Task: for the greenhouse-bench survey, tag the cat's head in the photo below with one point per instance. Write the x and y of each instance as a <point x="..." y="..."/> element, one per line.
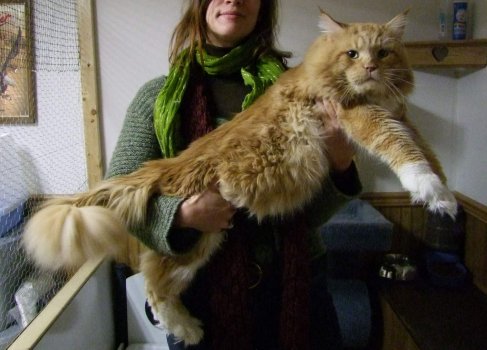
<point x="361" y="59"/>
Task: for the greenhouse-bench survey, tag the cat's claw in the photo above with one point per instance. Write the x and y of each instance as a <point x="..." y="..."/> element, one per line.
<point x="426" y="187"/>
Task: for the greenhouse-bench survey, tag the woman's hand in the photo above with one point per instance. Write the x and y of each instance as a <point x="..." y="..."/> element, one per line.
<point x="339" y="149"/>
<point x="206" y="212"/>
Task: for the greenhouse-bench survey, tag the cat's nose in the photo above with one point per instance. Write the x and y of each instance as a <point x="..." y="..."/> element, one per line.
<point x="370" y="68"/>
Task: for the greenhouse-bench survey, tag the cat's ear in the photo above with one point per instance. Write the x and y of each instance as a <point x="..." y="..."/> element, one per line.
<point x="397" y="25"/>
<point x="328" y="24"/>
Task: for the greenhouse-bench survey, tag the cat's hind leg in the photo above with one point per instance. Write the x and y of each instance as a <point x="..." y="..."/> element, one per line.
<point x="167" y="277"/>
<point x="165" y="280"/>
<point x="175" y="319"/>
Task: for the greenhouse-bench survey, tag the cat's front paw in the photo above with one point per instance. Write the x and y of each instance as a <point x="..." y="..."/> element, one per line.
<point x="426" y="187"/>
<point x="444" y="203"/>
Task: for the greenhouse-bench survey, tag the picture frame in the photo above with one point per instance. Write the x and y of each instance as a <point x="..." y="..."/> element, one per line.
<point x="17" y="80"/>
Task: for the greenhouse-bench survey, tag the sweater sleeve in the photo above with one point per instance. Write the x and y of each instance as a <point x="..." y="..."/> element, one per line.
<point x="335" y="193"/>
<point x="137" y="144"/>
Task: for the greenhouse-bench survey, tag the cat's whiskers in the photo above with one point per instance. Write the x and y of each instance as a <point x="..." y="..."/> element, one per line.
<point x="395" y="90"/>
<point x="397" y="73"/>
<point x="344" y="90"/>
<point x="346" y="93"/>
<point x="396" y="77"/>
<point x="396" y="70"/>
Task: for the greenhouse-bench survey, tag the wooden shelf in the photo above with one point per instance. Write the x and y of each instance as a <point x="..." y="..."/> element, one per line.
<point x="448" y="54"/>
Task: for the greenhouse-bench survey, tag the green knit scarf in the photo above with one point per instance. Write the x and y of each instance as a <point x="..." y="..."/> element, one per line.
<point x="166" y="109"/>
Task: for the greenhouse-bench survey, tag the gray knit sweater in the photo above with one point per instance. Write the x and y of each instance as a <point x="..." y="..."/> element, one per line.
<point x="137" y="143"/>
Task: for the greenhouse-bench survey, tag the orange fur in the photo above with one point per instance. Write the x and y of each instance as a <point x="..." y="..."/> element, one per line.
<point x="270" y="159"/>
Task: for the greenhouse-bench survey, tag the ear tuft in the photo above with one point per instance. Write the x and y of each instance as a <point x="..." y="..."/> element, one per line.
<point x="397" y="25"/>
<point x="328" y="24"/>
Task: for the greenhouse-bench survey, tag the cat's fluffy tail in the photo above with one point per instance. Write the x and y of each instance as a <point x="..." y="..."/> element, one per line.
<point x="67" y="231"/>
<point x="65" y="236"/>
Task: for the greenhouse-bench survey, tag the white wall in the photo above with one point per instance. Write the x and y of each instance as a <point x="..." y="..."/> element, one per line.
<point x="470" y="144"/>
<point x="133" y="41"/>
<point x="133" y="37"/>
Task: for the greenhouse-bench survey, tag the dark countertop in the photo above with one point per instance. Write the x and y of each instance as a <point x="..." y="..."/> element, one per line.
<point x="439" y="318"/>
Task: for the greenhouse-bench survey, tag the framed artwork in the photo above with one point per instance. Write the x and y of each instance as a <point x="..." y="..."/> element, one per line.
<point x="17" y="84"/>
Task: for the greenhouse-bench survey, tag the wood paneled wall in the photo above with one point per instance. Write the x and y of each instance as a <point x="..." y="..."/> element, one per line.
<point x="409" y="220"/>
<point x="476" y="240"/>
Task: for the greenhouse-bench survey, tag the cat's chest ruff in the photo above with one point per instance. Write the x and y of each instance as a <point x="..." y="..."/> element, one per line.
<point x="389" y="103"/>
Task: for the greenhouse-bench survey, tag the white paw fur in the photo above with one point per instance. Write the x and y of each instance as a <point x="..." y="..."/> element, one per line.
<point x="176" y="320"/>
<point x="426" y="187"/>
<point x="189" y="331"/>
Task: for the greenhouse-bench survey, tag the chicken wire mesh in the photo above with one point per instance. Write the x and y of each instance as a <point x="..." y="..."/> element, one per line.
<point x="42" y="149"/>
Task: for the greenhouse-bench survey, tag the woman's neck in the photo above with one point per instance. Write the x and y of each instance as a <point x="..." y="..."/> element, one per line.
<point x="216" y="51"/>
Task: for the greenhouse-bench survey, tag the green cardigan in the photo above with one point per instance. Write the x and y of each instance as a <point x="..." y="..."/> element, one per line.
<point x="137" y="143"/>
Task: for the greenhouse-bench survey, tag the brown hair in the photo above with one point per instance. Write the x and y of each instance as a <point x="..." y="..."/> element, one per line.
<point x="191" y="30"/>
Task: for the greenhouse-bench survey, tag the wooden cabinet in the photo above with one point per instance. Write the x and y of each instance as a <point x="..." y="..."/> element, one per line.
<point x="418" y="316"/>
<point x="395" y="334"/>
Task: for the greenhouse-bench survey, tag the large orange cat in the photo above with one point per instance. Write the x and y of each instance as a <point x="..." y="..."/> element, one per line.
<point x="269" y="159"/>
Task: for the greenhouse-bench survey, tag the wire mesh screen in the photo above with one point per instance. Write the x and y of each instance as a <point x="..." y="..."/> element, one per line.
<point x="42" y="148"/>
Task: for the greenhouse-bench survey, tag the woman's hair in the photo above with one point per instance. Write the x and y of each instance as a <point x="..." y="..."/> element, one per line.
<point x="191" y="30"/>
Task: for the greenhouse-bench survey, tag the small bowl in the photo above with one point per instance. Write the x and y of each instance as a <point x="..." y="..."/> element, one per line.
<point x="397" y="267"/>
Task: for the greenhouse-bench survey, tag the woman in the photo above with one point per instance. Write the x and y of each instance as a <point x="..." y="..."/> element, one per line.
<point x="265" y="288"/>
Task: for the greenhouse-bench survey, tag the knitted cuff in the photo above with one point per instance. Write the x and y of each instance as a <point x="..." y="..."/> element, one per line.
<point x="347" y="182"/>
<point x="160" y="217"/>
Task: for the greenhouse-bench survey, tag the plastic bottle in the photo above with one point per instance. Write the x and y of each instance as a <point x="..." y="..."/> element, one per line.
<point x="460" y="16"/>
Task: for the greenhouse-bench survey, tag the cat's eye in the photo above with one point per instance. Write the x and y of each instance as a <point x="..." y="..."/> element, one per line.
<point x="352" y="54"/>
<point x="383" y="53"/>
